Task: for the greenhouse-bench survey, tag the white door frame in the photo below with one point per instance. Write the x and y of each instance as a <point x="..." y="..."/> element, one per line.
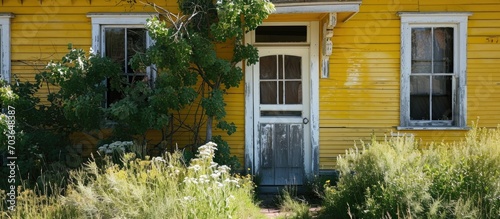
<point x="251" y="159"/>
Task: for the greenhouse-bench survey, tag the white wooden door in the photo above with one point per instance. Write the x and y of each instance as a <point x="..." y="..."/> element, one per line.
<point x="281" y="115"/>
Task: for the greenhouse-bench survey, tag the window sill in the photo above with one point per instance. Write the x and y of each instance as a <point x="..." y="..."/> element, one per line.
<point x="444" y="128"/>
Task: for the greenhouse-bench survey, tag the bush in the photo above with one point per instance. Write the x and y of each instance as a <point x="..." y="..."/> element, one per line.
<point x="394" y="179"/>
<point x="163" y="187"/>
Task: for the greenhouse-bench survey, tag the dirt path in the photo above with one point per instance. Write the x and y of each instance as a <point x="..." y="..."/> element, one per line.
<point x="269" y="206"/>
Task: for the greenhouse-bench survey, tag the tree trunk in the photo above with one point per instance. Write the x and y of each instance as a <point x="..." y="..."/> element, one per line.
<point x="209" y="129"/>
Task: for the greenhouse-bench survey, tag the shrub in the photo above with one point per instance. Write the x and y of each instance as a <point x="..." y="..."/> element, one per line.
<point x="394" y="179"/>
<point x="163" y="187"/>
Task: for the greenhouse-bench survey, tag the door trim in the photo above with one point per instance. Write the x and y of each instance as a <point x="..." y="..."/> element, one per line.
<point x="313" y="167"/>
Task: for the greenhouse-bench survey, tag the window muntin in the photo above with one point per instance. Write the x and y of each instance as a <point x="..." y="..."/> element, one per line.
<point x="433" y="70"/>
<point x="280" y="79"/>
<point x="432" y="74"/>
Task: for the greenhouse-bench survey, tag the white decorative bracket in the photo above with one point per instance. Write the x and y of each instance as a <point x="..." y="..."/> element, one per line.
<point x="327" y="44"/>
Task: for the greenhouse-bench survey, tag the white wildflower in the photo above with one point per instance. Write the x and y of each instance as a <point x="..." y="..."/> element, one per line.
<point x="235" y="181"/>
<point x="188" y="198"/>
<point x="120" y="146"/>
<point x="213" y="164"/>
<point x="159" y="159"/>
<point x="195" y="167"/>
<point x="220" y="185"/>
<point x="215" y="175"/>
<point x="188" y="180"/>
<point x="207" y="150"/>
<point x="224" y="169"/>
<point x="204" y="179"/>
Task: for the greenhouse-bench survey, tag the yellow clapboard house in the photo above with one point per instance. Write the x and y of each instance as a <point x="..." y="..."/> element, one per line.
<point x="330" y="72"/>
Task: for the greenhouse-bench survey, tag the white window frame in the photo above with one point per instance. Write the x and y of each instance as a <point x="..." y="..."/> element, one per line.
<point x="5" y="46"/>
<point x="100" y="21"/>
<point x="459" y="22"/>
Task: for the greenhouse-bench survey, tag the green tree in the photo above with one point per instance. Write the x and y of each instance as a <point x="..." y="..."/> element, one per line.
<point x="185" y="47"/>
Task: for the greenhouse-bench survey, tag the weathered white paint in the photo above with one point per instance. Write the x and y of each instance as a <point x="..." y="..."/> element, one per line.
<point x="314" y="117"/>
<point x="320" y="7"/>
<point x="249" y="138"/>
<point x="435" y="19"/>
<point x="282" y="155"/>
<point x="5" y="45"/>
<point x="260" y="147"/>
<point x="99" y="20"/>
<point x="252" y="147"/>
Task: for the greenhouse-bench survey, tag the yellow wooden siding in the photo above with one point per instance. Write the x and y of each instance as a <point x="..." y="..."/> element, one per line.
<point x="42" y="32"/>
<point x="361" y="96"/>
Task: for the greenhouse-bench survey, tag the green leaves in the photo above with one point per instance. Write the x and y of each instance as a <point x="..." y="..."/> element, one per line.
<point x="187" y="48"/>
<point x="214" y="104"/>
<point x="236" y="17"/>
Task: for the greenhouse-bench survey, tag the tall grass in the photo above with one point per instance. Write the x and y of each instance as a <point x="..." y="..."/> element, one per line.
<point x="292" y="206"/>
<point x="163" y="187"/>
<point x="394" y="179"/>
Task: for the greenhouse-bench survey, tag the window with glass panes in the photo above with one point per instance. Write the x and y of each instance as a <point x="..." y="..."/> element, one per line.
<point x="433" y="69"/>
<point x="121" y="44"/>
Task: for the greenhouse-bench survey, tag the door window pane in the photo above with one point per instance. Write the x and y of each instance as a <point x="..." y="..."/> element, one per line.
<point x="293" y="67"/>
<point x="268" y="92"/>
<point x="280" y="113"/>
<point x="293" y="94"/>
<point x="268" y="67"/>
<point x="280" y="79"/>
